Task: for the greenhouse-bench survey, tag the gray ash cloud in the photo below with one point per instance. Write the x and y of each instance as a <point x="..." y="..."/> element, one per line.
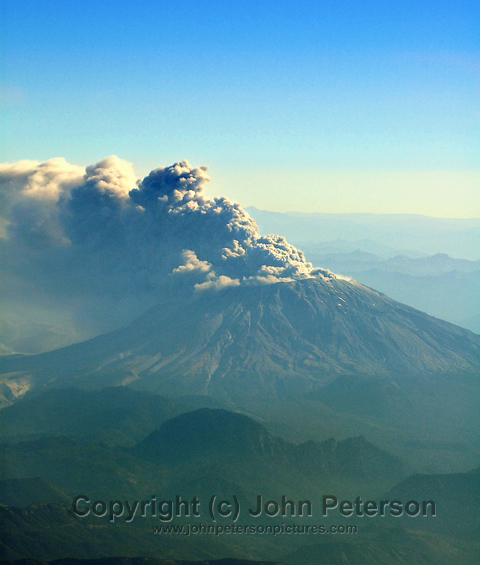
<point x="103" y="245"/>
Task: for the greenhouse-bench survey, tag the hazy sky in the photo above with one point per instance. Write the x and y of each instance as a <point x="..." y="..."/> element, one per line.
<point x="311" y="106"/>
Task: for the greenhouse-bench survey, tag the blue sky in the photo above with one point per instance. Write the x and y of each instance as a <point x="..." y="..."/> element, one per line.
<point x="311" y="106"/>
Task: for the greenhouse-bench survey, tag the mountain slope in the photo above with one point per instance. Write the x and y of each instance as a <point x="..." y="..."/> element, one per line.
<point x="274" y="340"/>
<point x="51" y="532"/>
<point x="25" y="492"/>
<point x="457" y="499"/>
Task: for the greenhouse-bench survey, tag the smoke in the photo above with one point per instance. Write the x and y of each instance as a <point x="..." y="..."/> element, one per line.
<point x="103" y="246"/>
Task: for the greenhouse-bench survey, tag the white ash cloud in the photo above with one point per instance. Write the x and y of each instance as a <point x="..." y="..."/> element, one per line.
<point x="106" y="246"/>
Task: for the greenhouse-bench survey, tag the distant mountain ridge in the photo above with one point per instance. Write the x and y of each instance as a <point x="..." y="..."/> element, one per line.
<point x="459" y="237"/>
<point x="206" y="435"/>
<point x="191" y="454"/>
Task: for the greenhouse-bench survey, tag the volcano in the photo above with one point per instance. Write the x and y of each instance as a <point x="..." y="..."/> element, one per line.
<point x="274" y="341"/>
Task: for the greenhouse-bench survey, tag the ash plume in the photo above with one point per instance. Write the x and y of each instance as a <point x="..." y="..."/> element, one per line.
<point x="103" y="246"/>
